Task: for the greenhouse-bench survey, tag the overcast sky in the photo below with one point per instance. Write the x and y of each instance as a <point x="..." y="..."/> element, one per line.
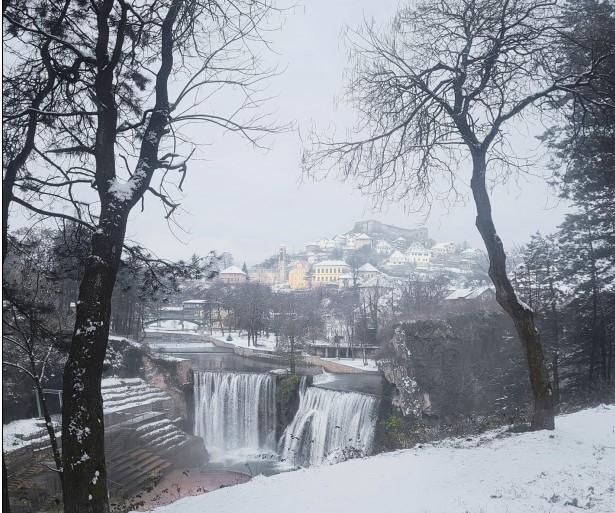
<point x="249" y="201"/>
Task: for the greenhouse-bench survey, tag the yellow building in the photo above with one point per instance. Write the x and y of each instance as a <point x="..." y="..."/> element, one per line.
<point x="298" y="275"/>
<point x="329" y="272"/>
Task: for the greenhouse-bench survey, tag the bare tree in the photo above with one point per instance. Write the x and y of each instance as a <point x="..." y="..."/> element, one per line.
<point x="121" y="135"/>
<point x="33" y="323"/>
<point x="440" y="84"/>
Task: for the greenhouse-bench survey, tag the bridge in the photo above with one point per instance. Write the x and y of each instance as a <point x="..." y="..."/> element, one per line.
<point x="190" y="311"/>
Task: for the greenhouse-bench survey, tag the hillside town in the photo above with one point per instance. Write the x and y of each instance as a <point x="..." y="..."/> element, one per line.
<point x="369" y="254"/>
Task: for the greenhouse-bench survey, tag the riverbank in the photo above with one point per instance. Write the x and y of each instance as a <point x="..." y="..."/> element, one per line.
<point x="265" y="352"/>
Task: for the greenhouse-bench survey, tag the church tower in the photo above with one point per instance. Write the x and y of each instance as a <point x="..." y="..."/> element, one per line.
<point x="282" y="265"/>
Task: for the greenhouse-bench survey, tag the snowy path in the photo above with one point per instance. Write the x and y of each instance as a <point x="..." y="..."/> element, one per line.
<point x="567" y="470"/>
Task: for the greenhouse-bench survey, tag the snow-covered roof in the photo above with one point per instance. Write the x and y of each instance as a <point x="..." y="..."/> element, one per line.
<point x="346" y="276"/>
<point x="442" y="245"/>
<point x="332" y="263"/>
<point x="396" y="254"/>
<point x="368" y="268"/>
<point x="415" y="246"/>
<point x="233" y="269"/>
<point x="363" y="236"/>
<point x="479" y="291"/>
<point x="469" y="293"/>
<point x="195" y="302"/>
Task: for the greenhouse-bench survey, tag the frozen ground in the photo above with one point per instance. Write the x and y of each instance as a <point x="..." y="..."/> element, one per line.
<point x="568" y="470"/>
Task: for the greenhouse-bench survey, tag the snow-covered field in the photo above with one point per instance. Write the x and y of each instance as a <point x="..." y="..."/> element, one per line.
<point x="568" y="470"/>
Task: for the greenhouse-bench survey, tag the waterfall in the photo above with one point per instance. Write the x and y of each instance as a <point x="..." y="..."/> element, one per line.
<point x="327" y="423"/>
<point x="235" y="411"/>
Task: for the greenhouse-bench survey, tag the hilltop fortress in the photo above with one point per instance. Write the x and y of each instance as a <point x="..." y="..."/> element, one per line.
<point x="378" y="230"/>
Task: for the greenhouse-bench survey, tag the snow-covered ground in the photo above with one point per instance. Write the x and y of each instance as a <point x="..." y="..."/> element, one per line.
<point x="21" y="433"/>
<point x="264" y="343"/>
<point x="567" y="470"/>
<point x="356" y="362"/>
<point x="172" y="326"/>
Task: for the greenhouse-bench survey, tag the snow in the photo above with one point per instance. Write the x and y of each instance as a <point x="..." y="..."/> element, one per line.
<point x="169" y="358"/>
<point x="177" y="346"/>
<point x="172" y="325"/>
<point x="264" y="343"/>
<point x="356" y="363"/>
<point x="24" y="432"/>
<point x="129" y="341"/>
<point x="563" y="471"/>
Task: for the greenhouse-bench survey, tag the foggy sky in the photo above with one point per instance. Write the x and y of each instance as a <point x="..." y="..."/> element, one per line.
<point x="249" y="201"/>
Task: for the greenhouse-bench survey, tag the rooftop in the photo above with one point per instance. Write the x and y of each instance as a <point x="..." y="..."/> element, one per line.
<point x="332" y="263"/>
<point x="233" y="269"/>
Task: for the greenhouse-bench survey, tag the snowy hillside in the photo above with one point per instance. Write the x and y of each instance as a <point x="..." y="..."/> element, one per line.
<point x="568" y="470"/>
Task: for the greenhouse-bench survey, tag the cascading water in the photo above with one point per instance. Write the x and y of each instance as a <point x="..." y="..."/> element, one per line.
<point x="235" y="412"/>
<point x="326" y="423"/>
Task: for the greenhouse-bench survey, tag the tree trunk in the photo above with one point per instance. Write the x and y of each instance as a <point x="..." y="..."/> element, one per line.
<point x="57" y="457"/>
<point x="521" y="314"/>
<point x="6" y="505"/>
<point x="83" y="436"/>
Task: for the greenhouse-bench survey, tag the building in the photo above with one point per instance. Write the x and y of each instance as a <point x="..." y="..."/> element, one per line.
<point x="397" y="258"/>
<point x="313" y="247"/>
<point x="195" y="308"/>
<point x="263" y="275"/>
<point x="327" y="244"/>
<point x="232" y="274"/>
<point x="400" y="243"/>
<point x="346" y="281"/>
<point x="367" y="272"/>
<point x="298" y="276"/>
<point x="362" y="240"/>
<point x="328" y="272"/>
<point x="472" y="297"/>
<point x="383" y="248"/>
<point x="443" y="248"/>
<point x="379" y="286"/>
<point x="418" y="255"/>
<point x="282" y="265"/>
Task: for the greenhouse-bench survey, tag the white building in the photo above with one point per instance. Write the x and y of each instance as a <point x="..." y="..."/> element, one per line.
<point x="443" y="248"/>
<point x="383" y="248"/>
<point x="362" y="240"/>
<point x="397" y="258"/>
<point x="328" y="272"/>
<point x="367" y="271"/>
<point x="418" y="255"/>
<point x="232" y="274"/>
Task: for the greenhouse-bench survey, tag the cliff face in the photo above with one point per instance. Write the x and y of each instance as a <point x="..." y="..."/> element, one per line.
<point x="467" y="364"/>
<point x="174" y="376"/>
